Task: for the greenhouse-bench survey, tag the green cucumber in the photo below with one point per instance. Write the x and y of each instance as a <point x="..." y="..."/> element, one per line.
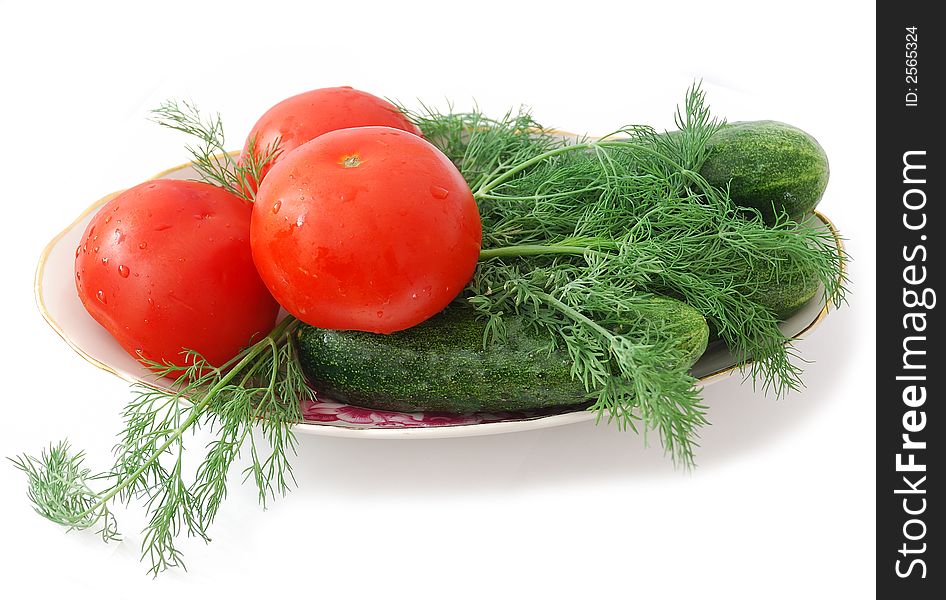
<point x="783" y="296"/>
<point x="441" y="364"/>
<point x="783" y="292"/>
<point x="786" y="291"/>
<point x="770" y="166"/>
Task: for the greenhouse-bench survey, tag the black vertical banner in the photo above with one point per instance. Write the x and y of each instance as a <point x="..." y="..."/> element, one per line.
<point x="911" y="372"/>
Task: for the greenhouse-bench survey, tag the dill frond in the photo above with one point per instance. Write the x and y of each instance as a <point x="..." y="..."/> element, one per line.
<point x="620" y="219"/>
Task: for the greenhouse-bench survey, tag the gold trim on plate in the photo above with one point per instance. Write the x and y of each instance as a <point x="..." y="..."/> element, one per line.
<point x="38" y="288"/>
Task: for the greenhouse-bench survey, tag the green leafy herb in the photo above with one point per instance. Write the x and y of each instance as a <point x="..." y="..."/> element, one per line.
<point x="251" y="401"/>
<point x="578" y="233"/>
<point x="209" y="156"/>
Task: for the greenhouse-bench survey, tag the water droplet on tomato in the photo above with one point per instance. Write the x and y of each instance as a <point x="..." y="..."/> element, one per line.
<point x="380" y="313"/>
<point x="85" y="247"/>
<point x="300" y="221"/>
<point x="143" y="245"/>
<point x="276" y="206"/>
<point x="100" y="296"/>
<point x="413" y="296"/>
<point x="123" y="270"/>
<point x="151" y="302"/>
<point x="107" y="219"/>
<point x="438" y="192"/>
<point x="146" y="321"/>
<point x="95" y="249"/>
<point x="78" y="248"/>
<point x="105" y="262"/>
<point x="119" y="236"/>
<point x="78" y="276"/>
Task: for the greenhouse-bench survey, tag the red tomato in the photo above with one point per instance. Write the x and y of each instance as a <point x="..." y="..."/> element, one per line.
<point x="369" y="228"/>
<point x="304" y="117"/>
<point x="166" y="266"/>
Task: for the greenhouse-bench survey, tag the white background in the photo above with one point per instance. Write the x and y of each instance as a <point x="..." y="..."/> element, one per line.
<point x="782" y="503"/>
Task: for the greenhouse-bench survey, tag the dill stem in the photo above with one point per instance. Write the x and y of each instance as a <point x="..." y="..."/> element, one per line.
<point x="574" y="314"/>
<point x="593" y="188"/>
<point x="195" y="413"/>
<point x="532" y="250"/>
<point x="483" y="191"/>
<point x="490" y="185"/>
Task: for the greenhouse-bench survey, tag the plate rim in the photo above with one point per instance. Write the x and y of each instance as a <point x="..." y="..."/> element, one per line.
<point x="335" y="429"/>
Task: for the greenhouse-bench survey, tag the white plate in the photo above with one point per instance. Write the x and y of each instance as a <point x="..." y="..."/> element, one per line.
<point x="60" y="306"/>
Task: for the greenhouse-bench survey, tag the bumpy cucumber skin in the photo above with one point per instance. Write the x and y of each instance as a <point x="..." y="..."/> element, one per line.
<point x="783" y="296"/>
<point x="680" y="322"/>
<point x="768" y="165"/>
<point x="440" y="365"/>
<point x="787" y="293"/>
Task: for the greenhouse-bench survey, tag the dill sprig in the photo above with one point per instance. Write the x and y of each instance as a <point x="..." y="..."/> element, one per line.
<point x="575" y="231"/>
<point x="209" y="155"/>
<point x="248" y="404"/>
<point x="59" y="490"/>
<point x="251" y="401"/>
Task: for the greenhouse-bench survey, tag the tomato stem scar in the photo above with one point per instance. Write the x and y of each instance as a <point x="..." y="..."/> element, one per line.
<point x="350" y="160"/>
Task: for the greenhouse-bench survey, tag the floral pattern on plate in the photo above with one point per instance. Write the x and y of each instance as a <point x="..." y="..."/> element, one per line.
<point x="324" y="411"/>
